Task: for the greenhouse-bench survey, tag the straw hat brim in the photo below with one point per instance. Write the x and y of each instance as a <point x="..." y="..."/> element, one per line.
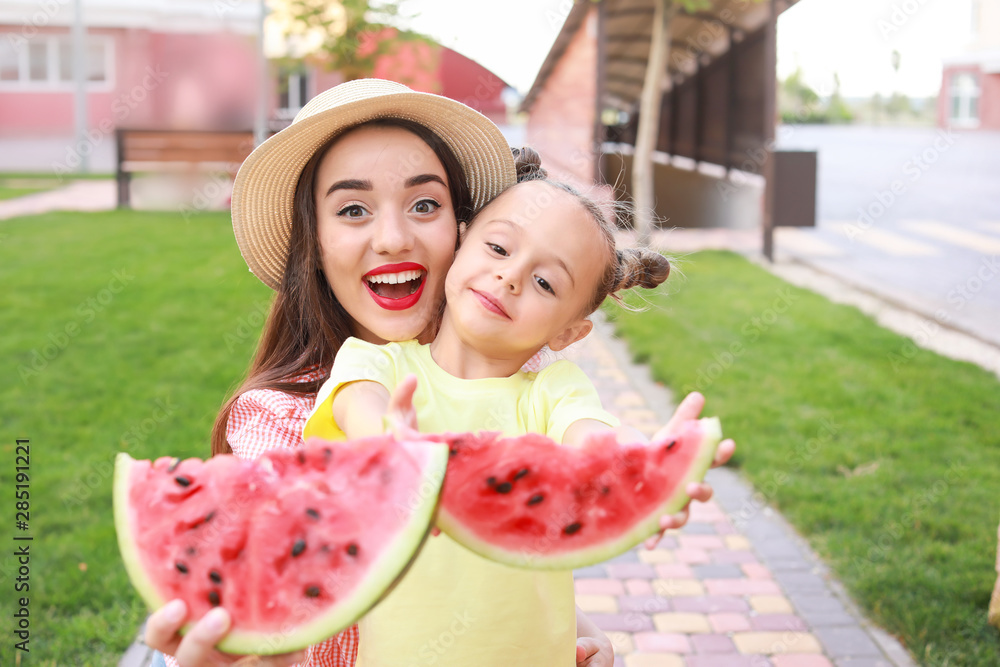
<point x="264" y="190"/>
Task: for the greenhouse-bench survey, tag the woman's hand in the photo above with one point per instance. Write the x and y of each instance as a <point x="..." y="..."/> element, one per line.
<point x="690" y="408"/>
<point x="197" y="647"/>
<point x="593" y="648"/>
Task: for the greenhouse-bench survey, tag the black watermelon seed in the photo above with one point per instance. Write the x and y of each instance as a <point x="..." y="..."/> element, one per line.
<point x="191" y="551"/>
<point x="535" y="499"/>
<point x="490" y="481"/>
<point x="520" y="473"/>
<point x="312" y="592"/>
<point x="504" y="487"/>
<point x="181" y="567"/>
<point x="452" y="452"/>
<point x="572" y="528"/>
<point x="313" y="514"/>
<point x="327" y="453"/>
<point x="215" y="576"/>
<point x="208" y="517"/>
<point x="352" y="549"/>
<point x="183" y="481"/>
<point x="213" y="597"/>
<point x="605" y="490"/>
<point x="298" y="547"/>
<point x="173" y="466"/>
<point x="302" y="458"/>
<point x="671" y="444"/>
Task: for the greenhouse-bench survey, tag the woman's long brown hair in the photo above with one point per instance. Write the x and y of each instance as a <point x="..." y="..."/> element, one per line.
<point x="307" y="324"/>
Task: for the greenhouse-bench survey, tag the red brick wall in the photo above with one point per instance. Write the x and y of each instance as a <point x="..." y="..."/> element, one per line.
<point x="989" y="96"/>
<point x="561" y="121"/>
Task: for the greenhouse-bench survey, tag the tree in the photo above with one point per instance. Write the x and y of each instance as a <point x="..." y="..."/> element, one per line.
<point x="352" y="34"/>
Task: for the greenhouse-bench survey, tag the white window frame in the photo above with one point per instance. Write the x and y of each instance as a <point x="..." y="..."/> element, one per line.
<point x="965" y="93"/>
<point x="52" y="82"/>
<point x="288" y="113"/>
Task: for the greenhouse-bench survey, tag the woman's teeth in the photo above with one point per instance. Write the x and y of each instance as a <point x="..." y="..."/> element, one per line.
<point x="395" y="285"/>
<point x="393" y="278"/>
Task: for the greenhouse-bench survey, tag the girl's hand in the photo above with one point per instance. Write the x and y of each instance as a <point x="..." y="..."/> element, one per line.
<point x="197" y="647"/>
<point x="592" y="652"/>
<point x="401" y="416"/>
<point x="690" y="408"/>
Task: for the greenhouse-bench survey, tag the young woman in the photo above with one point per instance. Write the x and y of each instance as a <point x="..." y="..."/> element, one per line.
<point x="417" y="165"/>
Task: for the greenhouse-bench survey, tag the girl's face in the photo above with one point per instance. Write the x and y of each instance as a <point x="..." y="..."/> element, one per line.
<point x="387" y="231"/>
<point x="527" y="269"/>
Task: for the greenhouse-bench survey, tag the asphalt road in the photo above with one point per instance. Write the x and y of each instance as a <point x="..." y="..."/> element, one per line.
<point x="913" y="214"/>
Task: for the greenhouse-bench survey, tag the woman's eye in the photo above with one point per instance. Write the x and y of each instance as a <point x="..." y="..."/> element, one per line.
<point x="426" y="206"/>
<point x="352" y="211"/>
<point x="544" y="284"/>
<point x="497" y="249"/>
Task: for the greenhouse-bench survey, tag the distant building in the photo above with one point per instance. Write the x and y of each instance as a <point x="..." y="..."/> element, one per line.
<point x="970" y="85"/>
<point x="183" y="64"/>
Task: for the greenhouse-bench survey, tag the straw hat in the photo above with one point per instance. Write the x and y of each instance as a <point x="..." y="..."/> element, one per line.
<point x="265" y="185"/>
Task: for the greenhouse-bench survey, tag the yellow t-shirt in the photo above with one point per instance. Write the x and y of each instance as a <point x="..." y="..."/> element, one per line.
<point x="454" y="607"/>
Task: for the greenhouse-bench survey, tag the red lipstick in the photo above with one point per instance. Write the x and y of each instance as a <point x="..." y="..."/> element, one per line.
<point x="401" y="303"/>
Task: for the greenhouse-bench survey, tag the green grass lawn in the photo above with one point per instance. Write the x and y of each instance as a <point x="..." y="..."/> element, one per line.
<point x="122" y="331"/>
<point x="885" y="456"/>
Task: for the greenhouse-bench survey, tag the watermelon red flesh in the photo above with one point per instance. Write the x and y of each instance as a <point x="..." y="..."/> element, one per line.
<point x="295" y="545"/>
<point x="530" y="502"/>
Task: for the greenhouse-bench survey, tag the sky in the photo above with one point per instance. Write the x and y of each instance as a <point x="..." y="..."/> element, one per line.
<point x="854" y="38"/>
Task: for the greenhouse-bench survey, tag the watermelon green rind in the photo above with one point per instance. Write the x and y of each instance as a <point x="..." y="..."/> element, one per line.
<point x="711" y="434"/>
<point x="386" y="571"/>
<point x="129" y="550"/>
<point x="390" y="567"/>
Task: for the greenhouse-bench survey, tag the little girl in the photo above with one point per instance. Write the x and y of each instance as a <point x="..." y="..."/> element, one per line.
<point x="533" y="265"/>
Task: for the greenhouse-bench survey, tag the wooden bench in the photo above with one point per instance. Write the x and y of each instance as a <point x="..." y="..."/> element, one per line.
<point x="177" y="151"/>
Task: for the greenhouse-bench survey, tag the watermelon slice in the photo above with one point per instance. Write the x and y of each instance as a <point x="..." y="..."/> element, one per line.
<point x="530" y="502"/>
<point x="296" y="545"/>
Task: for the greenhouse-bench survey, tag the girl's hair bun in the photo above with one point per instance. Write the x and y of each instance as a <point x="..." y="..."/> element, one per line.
<point x="528" y="163"/>
<point x="641" y="267"/>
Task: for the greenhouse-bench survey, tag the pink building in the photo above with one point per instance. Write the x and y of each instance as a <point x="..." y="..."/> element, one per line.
<point x="182" y="64"/>
<point x="970" y="84"/>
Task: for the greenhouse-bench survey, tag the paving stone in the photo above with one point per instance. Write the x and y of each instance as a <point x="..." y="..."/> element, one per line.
<point x="737" y="543"/>
<point x="670" y="588"/>
<point x="702" y="542"/>
<point x="863" y="662"/>
<point x="848" y="643"/>
<point x="622" y="622"/>
<point x="711" y="604"/>
<point x="631" y="571"/>
<point x="653" y="660"/>
<point x="823" y="619"/>
<point x="731" y="660"/>
<point x="620" y="661"/>
<point x="769" y="643"/>
<point x="647" y="604"/>
<point x="592" y="572"/>
<point x="621" y="642"/>
<point x="725" y="528"/>
<point x="691" y="555"/>
<point x="723" y="571"/>
<point x="675" y="571"/>
<point x="729" y="622"/>
<point x="629" y="399"/>
<point x="811" y="602"/>
<point x="698" y="528"/>
<point x="662" y="642"/>
<point x="789" y="565"/>
<point x="770" y="604"/>
<point x="603" y="604"/>
<point x="741" y="587"/>
<point x="630" y="556"/>
<point x="727" y="556"/>
<point x="682" y="622"/>
<point x="656" y="556"/>
<point x="712" y="644"/>
<point x="709" y="512"/>
<point x="801" y="660"/>
<point x="756" y="571"/>
<point x="801" y="582"/>
<point x="777" y="622"/>
<point x="599" y="587"/>
<point x="638" y="587"/>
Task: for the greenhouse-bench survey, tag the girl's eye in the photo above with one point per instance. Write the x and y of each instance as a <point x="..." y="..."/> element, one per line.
<point x="352" y="211"/>
<point x="497" y="249"/>
<point x="426" y="206"/>
<point x="544" y="284"/>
